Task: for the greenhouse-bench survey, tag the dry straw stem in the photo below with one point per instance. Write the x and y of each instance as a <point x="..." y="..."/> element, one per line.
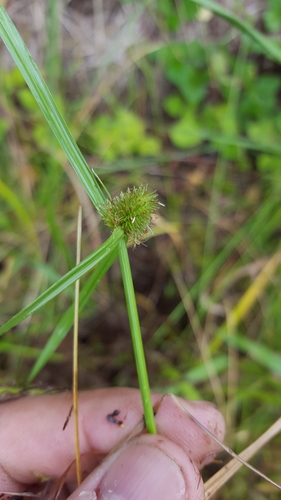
<point x="250" y="297"/>
<point x="254" y="291"/>
<point x="221" y="477"/>
<point x="237" y="458"/>
<point x="75" y="352"/>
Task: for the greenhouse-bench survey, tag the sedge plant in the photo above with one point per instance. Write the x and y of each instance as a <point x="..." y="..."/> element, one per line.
<point x="129" y="217"/>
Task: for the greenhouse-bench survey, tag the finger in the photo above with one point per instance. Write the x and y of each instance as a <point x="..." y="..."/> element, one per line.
<point x="150" y="467"/>
<point x="174" y="423"/>
<point x="154" y="466"/>
<point x="33" y="443"/>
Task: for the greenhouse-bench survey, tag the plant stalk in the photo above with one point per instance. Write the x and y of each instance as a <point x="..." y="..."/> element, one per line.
<point x="136" y="336"/>
<point x="75" y="353"/>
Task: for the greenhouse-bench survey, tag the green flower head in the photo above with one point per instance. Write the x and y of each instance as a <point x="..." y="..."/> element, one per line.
<point x="133" y="211"/>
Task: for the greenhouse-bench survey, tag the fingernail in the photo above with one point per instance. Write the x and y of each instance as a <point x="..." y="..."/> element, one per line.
<point x="143" y="471"/>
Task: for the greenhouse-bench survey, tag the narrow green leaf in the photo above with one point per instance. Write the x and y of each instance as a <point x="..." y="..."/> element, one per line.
<point x="45" y="101"/>
<point x="244" y="143"/>
<point x="86" y="265"/>
<point x="201" y="373"/>
<point x="269" y="46"/>
<point x="255" y="350"/>
<point x="26" y="351"/>
<point x="20" y="211"/>
<point x="53" y="57"/>
<point x="66" y="321"/>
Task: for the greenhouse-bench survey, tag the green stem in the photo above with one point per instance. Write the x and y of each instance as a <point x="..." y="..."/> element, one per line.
<point x="136" y="336"/>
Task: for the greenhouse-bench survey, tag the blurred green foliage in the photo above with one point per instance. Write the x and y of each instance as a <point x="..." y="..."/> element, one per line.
<point x="272" y="16"/>
<point x="118" y="136"/>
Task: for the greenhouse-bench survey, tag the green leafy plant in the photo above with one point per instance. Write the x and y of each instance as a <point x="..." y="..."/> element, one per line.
<point x="171" y="17"/>
<point x="119" y="136"/>
<point x="144" y="205"/>
<point x="241" y="117"/>
<point x="272" y="16"/>
<point x="207" y="113"/>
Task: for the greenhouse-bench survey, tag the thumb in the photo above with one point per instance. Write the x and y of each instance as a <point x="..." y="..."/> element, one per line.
<point x="149" y="467"/>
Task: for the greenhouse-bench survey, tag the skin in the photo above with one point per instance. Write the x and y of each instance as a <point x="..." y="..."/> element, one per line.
<point x="33" y="445"/>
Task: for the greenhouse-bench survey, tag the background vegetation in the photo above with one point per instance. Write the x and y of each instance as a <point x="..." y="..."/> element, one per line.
<point x="168" y="94"/>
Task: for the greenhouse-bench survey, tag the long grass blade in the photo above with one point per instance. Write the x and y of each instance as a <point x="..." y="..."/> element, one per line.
<point x="20" y="211"/>
<point x="68" y="279"/>
<point x="53" y="58"/>
<point x="66" y="321"/>
<point x="266" y="357"/>
<point x="269" y="46"/>
<point x="256" y="289"/>
<point x="26" y="351"/>
<point x="247" y="301"/>
<point x="45" y="101"/>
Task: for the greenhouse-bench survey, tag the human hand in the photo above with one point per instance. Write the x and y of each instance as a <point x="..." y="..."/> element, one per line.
<point x="152" y="467"/>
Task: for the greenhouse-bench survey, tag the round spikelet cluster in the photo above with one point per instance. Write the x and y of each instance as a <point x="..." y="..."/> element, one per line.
<point x="133" y="211"/>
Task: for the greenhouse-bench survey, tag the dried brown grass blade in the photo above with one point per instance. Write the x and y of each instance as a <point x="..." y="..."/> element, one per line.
<point x="254" y="291"/>
<point x="54" y="495"/>
<point x="222" y="476"/>
<point x="238" y="458"/>
<point x="75" y="353"/>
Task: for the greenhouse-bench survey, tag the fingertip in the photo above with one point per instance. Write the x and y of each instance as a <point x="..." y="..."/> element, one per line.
<point x="147" y="467"/>
<point x="173" y="421"/>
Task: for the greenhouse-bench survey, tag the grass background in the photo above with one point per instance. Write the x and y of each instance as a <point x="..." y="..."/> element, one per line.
<point x="168" y="94"/>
